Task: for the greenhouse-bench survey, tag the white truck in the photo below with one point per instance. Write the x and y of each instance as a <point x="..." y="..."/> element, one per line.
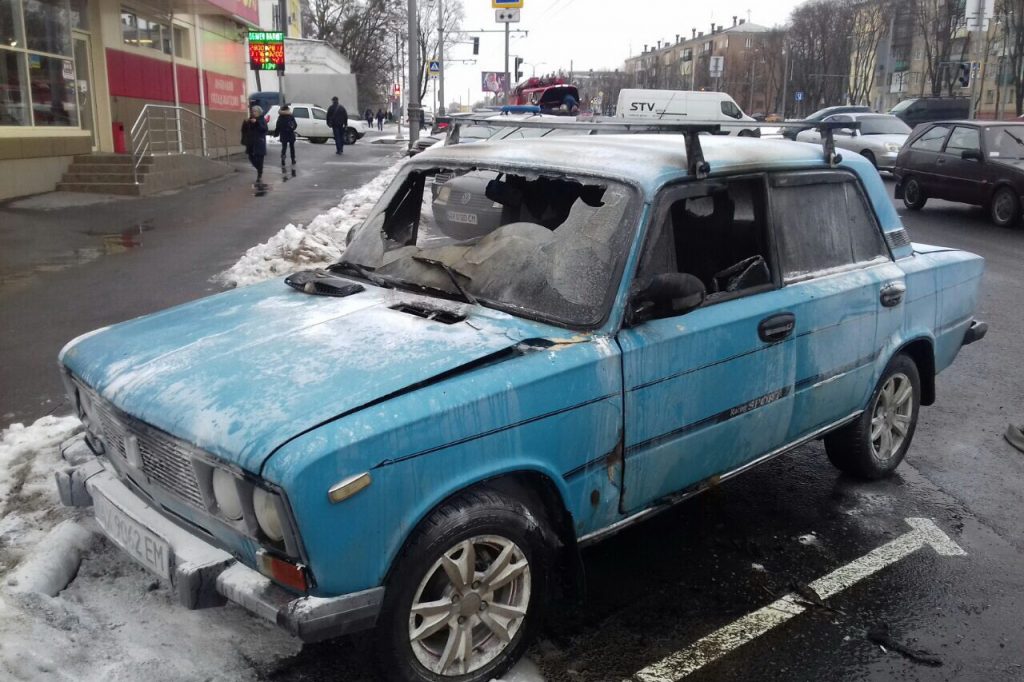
<point x="686" y="105"/>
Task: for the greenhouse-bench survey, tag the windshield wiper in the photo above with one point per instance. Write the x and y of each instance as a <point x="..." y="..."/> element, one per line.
<point x="356" y="269"/>
<point x="451" y="275"/>
<point x="1015" y="138"/>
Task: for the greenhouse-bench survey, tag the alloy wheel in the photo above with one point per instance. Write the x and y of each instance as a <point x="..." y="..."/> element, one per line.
<point x="891" y="417"/>
<point x="470" y="605"/>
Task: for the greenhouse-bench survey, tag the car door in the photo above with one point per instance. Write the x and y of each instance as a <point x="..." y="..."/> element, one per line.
<point x="709" y="390"/>
<point x="842" y="286"/>
<point x="921" y="160"/>
<point x="319" y="123"/>
<point x="963" y="179"/>
<point x="303" y="121"/>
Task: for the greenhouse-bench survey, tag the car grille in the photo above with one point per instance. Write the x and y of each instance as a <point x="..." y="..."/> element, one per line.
<point x="165" y="460"/>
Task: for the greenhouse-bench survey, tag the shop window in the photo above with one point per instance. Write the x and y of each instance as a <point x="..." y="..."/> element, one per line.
<point x="48" y="26"/>
<point x="10" y="24"/>
<point x="79" y="15"/>
<point x="13" y="90"/>
<point x="181" y="46"/>
<point x="52" y="82"/>
<point x="139" y="31"/>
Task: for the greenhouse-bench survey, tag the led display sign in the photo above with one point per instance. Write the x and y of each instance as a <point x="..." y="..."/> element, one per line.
<point x="266" y="50"/>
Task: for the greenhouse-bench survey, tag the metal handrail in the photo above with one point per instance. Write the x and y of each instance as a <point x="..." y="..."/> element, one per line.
<point x="181" y="131"/>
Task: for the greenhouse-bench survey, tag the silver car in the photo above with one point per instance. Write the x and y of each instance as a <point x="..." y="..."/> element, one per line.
<point x="878" y="140"/>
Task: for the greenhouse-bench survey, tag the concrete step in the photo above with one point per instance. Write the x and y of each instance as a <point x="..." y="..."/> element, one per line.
<point x="76" y="167"/>
<point x="107" y="159"/>
<point x="79" y="176"/>
<point x="129" y="189"/>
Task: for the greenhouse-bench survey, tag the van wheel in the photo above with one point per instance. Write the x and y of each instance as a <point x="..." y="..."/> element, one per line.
<point x="466" y="596"/>
<point x="913" y="195"/>
<point x="875" y="443"/>
<point x="1005" y="207"/>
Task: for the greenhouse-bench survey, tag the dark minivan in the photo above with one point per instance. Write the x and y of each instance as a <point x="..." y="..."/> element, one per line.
<point x="974" y="162"/>
<point x="918" y="110"/>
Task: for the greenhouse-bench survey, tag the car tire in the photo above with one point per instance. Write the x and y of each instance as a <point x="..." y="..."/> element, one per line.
<point x="745" y="133"/>
<point x="430" y="580"/>
<point x="872" y="446"/>
<point x="1004" y="207"/>
<point x="867" y="154"/>
<point x="913" y="194"/>
<point x="350" y="136"/>
<point x="318" y="140"/>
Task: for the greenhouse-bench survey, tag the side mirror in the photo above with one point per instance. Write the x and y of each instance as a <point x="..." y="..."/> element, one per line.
<point x="971" y="154"/>
<point x="667" y="295"/>
<point x="849" y="132"/>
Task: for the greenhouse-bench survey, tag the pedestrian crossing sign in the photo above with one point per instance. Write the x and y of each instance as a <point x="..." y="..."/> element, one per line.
<point x="507" y="4"/>
<point x="434" y="68"/>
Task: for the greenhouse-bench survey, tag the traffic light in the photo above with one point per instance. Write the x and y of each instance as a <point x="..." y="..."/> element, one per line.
<point x="963" y="74"/>
<point x="519" y="61"/>
<point x="476" y="46"/>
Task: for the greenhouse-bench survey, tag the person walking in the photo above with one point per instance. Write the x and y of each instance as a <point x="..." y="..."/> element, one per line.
<point x="337" y="119"/>
<point x="369" y="117"/>
<point x="285" y="131"/>
<point x="254" y="137"/>
<point x="380" y="119"/>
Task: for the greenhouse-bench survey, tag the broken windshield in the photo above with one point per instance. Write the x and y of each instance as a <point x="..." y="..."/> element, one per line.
<point x="545" y="246"/>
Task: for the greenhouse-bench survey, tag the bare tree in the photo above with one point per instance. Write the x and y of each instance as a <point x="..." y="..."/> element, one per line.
<point x="870" y="25"/>
<point x="427" y="40"/>
<point x="819" y="44"/>
<point x="1011" y="18"/>
<point x="940" y="23"/>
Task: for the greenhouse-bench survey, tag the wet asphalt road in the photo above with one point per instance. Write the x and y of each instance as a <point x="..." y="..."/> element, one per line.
<point x="663" y="585"/>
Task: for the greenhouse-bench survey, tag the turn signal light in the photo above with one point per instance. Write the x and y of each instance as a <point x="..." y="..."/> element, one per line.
<point x="283" y="572"/>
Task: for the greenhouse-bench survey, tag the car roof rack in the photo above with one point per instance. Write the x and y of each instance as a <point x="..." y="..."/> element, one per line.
<point x="696" y="165"/>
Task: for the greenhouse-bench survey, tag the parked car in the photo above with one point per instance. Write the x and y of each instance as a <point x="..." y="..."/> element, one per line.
<point x="822" y="114"/>
<point x="420" y="437"/>
<point x="974" y="162"/>
<point x="312" y="123"/>
<point x="918" y="110"/>
<point x="878" y="140"/>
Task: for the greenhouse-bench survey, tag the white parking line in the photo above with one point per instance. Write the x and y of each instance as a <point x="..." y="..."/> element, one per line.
<point x="712" y="647"/>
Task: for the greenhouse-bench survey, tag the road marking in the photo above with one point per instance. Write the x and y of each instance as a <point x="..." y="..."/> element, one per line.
<point x="719" y="643"/>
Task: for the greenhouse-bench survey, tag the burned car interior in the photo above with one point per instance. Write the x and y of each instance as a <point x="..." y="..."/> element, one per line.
<point x="545" y="244"/>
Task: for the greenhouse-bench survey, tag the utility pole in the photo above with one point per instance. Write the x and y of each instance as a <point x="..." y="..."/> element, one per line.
<point x="785" y="81"/>
<point x="398" y="82"/>
<point x="508" y="83"/>
<point x="415" y="73"/>
<point x="283" y="15"/>
<point x="439" y="109"/>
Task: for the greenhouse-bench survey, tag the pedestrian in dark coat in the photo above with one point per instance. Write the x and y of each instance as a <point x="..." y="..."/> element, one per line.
<point x="254" y="137"/>
<point x="369" y="117"/>
<point x="380" y="119"/>
<point x="285" y="131"/>
<point x="337" y="119"/>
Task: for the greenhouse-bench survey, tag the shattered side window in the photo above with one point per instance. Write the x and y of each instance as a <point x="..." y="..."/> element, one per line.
<point x="549" y="247"/>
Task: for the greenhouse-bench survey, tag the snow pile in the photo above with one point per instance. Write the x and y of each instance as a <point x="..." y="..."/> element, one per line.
<point x="319" y="243"/>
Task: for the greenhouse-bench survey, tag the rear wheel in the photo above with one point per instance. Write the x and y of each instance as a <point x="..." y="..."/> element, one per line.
<point x="873" y="446"/>
<point x="867" y="154"/>
<point x="466" y="595"/>
<point x="913" y="195"/>
<point x="350" y="136"/>
<point x="1005" y="207"/>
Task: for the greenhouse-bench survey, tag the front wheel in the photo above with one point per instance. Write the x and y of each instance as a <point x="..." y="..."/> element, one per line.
<point x="869" y="155"/>
<point x="318" y="140"/>
<point x="465" y="597"/>
<point x="1005" y="207"/>
<point x="913" y="195"/>
<point x="350" y="136"/>
<point x="875" y="443"/>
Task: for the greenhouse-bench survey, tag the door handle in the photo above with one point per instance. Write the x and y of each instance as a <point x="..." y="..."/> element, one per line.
<point x="777" y="327"/>
<point x="892" y="293"/>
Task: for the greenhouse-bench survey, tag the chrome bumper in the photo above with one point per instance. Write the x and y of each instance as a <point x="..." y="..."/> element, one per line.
<point x="204" y="576"/>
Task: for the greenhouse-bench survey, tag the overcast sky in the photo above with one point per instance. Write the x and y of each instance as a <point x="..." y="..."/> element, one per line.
<point x="594" y="34"/>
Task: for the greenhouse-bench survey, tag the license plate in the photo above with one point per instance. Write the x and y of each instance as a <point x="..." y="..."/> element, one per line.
<point x="145" y="546"/>
<point x="465" y="218"/>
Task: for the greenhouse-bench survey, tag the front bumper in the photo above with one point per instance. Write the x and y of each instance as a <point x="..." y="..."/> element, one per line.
<point x="203" y="575"/>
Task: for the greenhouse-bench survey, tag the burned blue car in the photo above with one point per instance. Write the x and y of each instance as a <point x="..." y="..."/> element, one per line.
<point x="420" y="437"/>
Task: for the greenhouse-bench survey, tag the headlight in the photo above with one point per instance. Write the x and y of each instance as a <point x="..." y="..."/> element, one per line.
<point x="443" y="194"/>
<point x="225" y="493"/>
<point x="892" y="147"/>
<point x="266" y="514"/>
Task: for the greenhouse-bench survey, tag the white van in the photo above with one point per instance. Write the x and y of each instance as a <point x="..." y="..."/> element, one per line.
<point x="686" y="105"/>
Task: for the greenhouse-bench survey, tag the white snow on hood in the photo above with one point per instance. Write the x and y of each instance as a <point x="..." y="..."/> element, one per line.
<point x="320" y="243"/>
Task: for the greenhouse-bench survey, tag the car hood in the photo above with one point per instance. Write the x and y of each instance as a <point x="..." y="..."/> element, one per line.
<point x="240" y="373"/>
<point x="1017" y="164"/>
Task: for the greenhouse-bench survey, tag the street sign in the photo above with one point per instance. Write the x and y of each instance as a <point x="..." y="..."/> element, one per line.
<point x="434" y="69"/>
<point x="507" y="4"/>
<point x="506" y="16"/>
<point x="266" y="50"/>
<point x="716" y="66"/>
<point x="798" y="95"/>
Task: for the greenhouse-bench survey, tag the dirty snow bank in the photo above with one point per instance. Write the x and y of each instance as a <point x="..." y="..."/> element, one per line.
<point x="319" y="243"/>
